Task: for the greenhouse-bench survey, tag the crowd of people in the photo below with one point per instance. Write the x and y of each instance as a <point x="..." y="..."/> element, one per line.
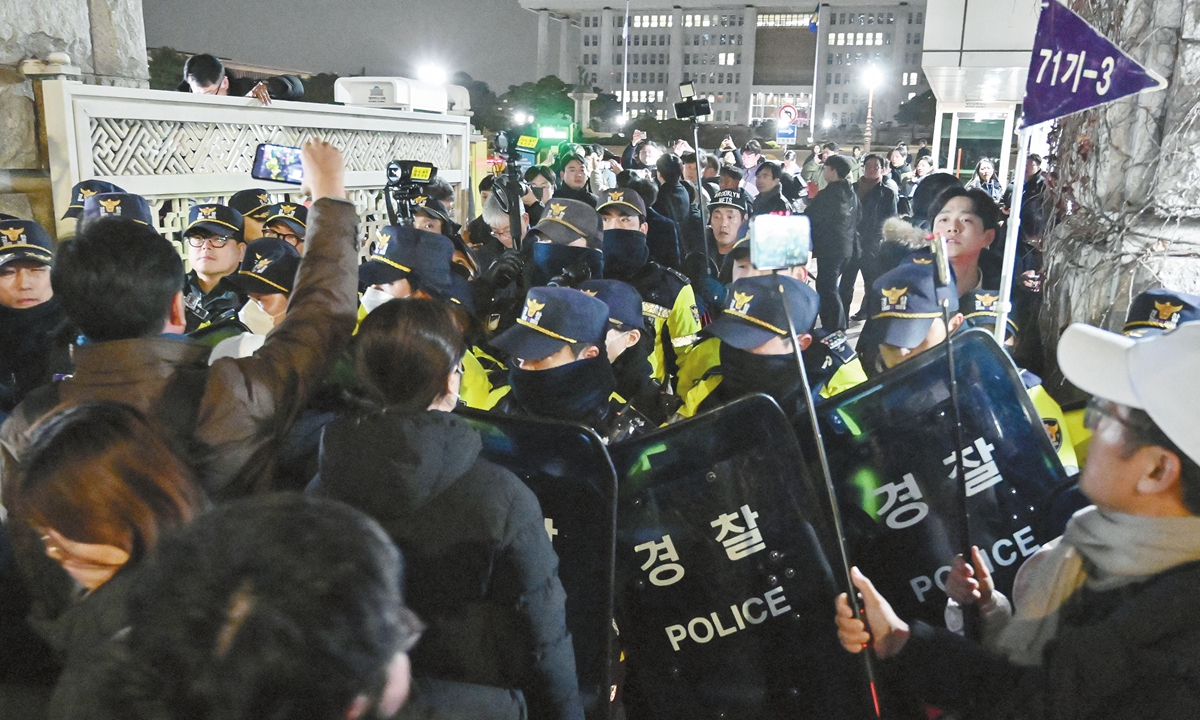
<point x="154" y="411"/>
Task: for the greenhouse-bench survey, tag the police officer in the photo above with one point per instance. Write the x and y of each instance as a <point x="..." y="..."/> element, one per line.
<point x="119" y="204"/>
<point x="628" y="347"/>
<point x="558" y="368"/>
<point x="266" y="275"/>
<point x="431" y="215"/>
<point x="979" y="310"/>
<point x="1157" y="311"/>
<point x="412" y="263"/>
<point x="84" y="190"/>
<point x="755" y="353"/>
<point x="254" y="205"/>
<point x="669" y="303"/>
<point x="215" y="249"/>
<point x="30" y="317"/>
<point x="287" y="221"/>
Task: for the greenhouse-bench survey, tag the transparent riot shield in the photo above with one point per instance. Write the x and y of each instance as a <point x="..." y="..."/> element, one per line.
<point x="724" y="592"/>
<point x="568" y="469"/>
<point x="891" y="450"/>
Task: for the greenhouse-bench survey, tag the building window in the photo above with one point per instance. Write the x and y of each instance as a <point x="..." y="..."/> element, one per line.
<point x="739" y="78"/>
<point x="829" y="59"/>
<point x="828" y="78"/>
<point x="595" y="61"/>
<point x="845" y="97"/>
<point x="910" y="18"/>
<point x="916" y="38"/>
<point x="891" y="18"/>
<point x="585" y="59"/>
<point x="835" y="98"/>
<point x="843" y="19"/>
<point x="920" y="18"/>
<point x="687" y="60"/>
<point x="826" y="98"/>
<point x="908" y="39"/>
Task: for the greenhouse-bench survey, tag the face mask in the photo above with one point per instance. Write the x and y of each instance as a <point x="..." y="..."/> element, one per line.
<point x="539" y="192"/>
<point x="575" y="392"/>
<point x="373" y="298"/>
<point x="625" y="253"/>
<point x="745" y="373"/>
<point x="551" y="261"/>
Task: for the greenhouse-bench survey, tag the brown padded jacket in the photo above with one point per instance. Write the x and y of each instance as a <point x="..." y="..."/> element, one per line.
<point x="229" y="417"/>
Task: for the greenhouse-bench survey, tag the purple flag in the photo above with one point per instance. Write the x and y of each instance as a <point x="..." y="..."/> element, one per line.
<point x="1074" y="68"/>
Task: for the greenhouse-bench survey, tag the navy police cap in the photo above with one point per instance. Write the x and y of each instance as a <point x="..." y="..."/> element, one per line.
<point x="909" y="301"/>
<point x="84" y="190"/>
<point x="754" y="311"/>
<point x="122" y="205"/>
<point x="219" y="220"/>
<point x="551" y="318"/>
<point x="623" y="301"/>
<point x="269" y="267"/>
<point x="25" y="240"/>
<point x="1156" y="311"/>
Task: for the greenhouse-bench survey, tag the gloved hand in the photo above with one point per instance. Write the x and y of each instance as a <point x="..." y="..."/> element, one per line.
<point x="507" y="269"/>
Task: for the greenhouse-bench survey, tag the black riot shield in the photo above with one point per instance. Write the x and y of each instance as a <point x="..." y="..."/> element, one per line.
<point x="568" y="468"/>
<point x="724" y="592"/>
<point x="891" y="451"/>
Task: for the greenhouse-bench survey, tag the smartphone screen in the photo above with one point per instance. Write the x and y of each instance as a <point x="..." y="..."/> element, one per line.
<point x="780" y="241"/>
<point x="278" y="163"/>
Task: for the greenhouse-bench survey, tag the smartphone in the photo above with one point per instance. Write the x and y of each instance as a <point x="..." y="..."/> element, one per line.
<point x="780" y="241"/>
<point x="278" y="163"/>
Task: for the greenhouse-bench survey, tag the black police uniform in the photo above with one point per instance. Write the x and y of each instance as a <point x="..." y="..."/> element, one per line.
<point x="582" y="391"/>
<point x="220" y="305"/>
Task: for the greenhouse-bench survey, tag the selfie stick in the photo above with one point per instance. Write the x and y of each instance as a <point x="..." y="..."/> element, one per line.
<point x="945" y="280"/>
<point x="700" y="189"/>
<point x="852" y="594"/>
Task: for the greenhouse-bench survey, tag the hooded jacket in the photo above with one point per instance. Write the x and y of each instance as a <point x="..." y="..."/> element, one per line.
<point x="480" y="569"/>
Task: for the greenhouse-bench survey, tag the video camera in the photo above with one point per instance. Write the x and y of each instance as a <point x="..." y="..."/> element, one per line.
<point x="406" y="181"/>
<point x="511" y="186"/>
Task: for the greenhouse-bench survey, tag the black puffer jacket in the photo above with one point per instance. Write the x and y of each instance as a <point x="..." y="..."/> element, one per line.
<point x="480" y="570"/>
<point x="834" y="217"/>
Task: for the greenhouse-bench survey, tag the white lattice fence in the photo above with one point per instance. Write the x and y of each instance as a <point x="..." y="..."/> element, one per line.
<point x="176" y="149"/>
<point x="125" y="146"/>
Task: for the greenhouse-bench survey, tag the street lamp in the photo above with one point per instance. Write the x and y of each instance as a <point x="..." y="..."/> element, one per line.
<point x="872" y="78"/>
<point x="431" y="74"/>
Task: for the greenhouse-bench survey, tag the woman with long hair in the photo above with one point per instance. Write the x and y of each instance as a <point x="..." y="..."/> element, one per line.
<point x="481" y="571"/>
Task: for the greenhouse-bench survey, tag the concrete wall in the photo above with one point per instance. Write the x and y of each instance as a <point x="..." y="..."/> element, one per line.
<point x="106" y="39"/>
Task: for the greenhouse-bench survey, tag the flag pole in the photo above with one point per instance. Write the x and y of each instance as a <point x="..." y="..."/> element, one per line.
<point x="1004" y="306"/>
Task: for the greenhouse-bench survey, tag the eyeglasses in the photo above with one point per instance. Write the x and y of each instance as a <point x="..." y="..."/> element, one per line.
<point x="286" y="237"/>
<point x="215" y="241"/>
<point x="1098" y="408"/>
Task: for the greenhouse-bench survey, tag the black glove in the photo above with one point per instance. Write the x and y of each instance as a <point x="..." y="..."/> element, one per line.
<point x="507" y="269"/>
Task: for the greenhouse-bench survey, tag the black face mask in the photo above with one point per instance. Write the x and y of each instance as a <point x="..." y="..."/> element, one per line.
<point x="625" y="252"/>
<point x="577" y="391"/>
<point x="744" y="373"/>
<point x="551" y="261"/>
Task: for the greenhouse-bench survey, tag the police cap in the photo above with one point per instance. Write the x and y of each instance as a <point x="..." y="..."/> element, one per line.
<point x="623" y="301"/>
<point x="25" y="240"/>
<point x="754" y="311"/>
<point x="269" y="267"/>
<point x="1156" y="311"/>
<point x="215" y="219"/>
<point x="551" y="318"/>
<point x="84" y="190"/>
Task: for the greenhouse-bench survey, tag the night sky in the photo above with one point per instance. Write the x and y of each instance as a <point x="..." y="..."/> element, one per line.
<point x="492" y="40"/>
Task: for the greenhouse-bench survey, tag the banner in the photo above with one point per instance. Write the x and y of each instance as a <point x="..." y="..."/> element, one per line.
<point x="1074" y="67"/>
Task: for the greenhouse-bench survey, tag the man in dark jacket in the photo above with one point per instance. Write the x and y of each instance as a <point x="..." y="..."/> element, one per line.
<point x="674" y="202"/>
<point x="1102" y="623"/>
<point x="662" y="234"/>
<point x="769" y="181"/>
<point x="231" y="416"/>
<point x="206" y="75"/>
<point x="30" y="317"/>
<point x="876" y="203"/>
<point x="834" y="217"/>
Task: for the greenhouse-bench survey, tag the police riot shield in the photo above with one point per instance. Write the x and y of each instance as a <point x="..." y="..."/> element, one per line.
<point x="890" y="444"/>
<point x="724" y="591"/>
<point x="568" y="469"/>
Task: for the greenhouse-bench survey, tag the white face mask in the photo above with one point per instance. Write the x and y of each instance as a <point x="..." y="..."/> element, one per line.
<point x="374" y="297"/>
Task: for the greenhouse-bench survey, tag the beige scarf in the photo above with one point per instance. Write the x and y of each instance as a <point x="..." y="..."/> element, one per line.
<point x="1104" y="550"/>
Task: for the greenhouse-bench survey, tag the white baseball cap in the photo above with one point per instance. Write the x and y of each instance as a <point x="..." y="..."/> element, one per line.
<point x="1158" y="374"/>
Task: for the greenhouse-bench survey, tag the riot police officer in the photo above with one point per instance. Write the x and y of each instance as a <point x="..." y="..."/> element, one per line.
<point x="214" y="239"/>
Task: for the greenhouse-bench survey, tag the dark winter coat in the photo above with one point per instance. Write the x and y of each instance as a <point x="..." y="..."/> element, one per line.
<point x="1126" y="654"/>
<point x="875" y="206"/>
<point x="772" y="202"/>
<point x="662" y="237"/>
<point x="30" y="351"/>
<point x="674" y="202"/>
<point x="834" y="217"/>
<point x="582" y="194"/>
<point x="479" y="567"/>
